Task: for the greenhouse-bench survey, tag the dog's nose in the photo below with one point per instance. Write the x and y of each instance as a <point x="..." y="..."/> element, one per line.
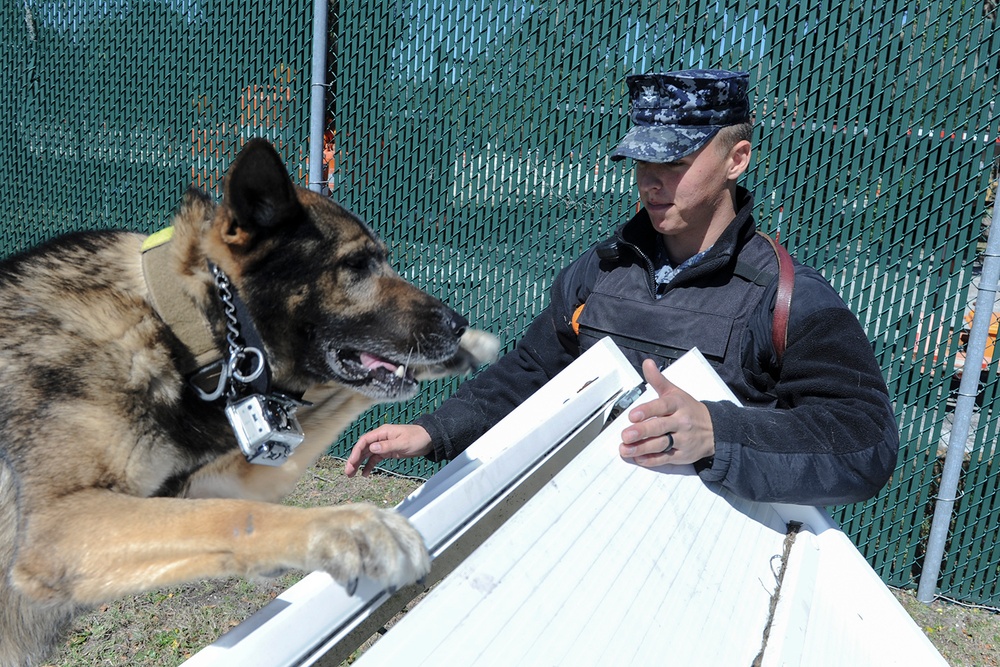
<point x="457" y="323"/>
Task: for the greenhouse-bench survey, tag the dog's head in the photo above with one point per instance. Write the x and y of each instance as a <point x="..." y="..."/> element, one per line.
<point x="318" y="285"/>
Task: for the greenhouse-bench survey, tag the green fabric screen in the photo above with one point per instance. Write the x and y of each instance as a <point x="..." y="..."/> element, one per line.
<point x="473" y="135"/>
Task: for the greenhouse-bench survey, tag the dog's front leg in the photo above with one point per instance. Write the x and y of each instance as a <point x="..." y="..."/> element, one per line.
<point x="95" y="545"/>
<point x="333" y="409"/>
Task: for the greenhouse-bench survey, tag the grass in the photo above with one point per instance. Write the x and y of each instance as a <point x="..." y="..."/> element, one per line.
<point x="163" y="628"/>
<point x="966" y="636"/>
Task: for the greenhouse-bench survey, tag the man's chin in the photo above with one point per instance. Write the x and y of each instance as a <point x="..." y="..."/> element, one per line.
<point x="659" y="216"/>
<point x="667" y="226"/>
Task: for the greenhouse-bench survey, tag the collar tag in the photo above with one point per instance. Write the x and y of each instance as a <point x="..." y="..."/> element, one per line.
<point x="266" y="427"/>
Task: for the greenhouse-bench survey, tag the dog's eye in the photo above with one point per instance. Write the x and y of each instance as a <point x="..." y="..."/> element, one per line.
<point x="359" y="262"/>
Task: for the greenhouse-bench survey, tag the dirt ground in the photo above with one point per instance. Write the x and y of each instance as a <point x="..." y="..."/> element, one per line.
<point x="966" y="636"/>
<point x="164" y="628"/>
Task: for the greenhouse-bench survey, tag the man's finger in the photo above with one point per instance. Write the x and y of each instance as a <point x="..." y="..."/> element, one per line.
<point x="656" y="460"/>
<point x="353" y="461"/>
<point x="370" y="466"/>
<point x="363" y="450"/>
<point x="655" y="378"/>
<point x="661" y="385"/>
<point x="376" y="435"/>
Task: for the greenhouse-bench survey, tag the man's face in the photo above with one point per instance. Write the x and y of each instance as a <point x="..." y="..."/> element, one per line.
<point x="691" y="195"/>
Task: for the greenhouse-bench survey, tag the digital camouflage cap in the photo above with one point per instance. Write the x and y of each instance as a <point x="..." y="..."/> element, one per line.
<point x="675" y="113"/>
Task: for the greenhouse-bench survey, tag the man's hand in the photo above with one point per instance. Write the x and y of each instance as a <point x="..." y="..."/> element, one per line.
<point x="389" y="441"/>
<point x="673" y="428"/>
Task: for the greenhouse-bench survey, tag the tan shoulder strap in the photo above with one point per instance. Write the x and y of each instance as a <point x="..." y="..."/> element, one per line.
<point x="176" y="308"/>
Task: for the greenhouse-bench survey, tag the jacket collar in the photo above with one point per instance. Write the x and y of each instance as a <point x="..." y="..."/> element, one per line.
<point x="639" y="236"/>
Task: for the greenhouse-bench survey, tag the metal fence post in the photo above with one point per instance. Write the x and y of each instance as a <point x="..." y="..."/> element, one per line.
<point x="317" y="95"/>
<point x="967" y="390"/>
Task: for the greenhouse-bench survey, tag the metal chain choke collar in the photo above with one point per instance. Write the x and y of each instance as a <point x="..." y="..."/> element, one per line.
<point x="262" y="420"/>
<point x="233" y="367"/>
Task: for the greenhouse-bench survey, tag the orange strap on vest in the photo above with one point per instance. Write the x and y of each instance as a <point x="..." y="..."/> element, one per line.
<point x="575" y="320"/>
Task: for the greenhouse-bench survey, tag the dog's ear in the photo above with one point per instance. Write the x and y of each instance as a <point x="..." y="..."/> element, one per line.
<point x="259" y="194"/>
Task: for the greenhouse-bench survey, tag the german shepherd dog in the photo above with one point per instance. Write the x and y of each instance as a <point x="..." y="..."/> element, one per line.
<point x="119" y="474"/>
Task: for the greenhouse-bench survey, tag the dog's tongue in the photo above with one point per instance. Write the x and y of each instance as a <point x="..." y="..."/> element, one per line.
<point x="371" y="362"/>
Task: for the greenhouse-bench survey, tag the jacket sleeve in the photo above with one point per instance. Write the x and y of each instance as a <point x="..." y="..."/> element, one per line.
<point x="548" y="346"/>
<point x="832" y="438"/>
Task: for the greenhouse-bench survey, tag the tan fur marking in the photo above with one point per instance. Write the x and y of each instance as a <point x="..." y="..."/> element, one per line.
<point x="120" y="544"/>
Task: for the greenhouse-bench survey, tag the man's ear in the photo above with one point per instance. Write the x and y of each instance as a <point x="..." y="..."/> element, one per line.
<point x="739" y="159"/>
<point x="258" y="193"/>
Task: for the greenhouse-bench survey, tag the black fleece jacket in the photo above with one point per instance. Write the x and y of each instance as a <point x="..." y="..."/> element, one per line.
<point x="818" y="428"/>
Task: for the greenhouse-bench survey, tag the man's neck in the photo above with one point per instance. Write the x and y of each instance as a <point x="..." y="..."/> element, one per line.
<point x="681" y="247"/>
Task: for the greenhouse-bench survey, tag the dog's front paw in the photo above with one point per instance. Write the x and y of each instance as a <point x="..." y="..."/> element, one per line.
<point x="475" y="349"/>
<point x="363" y="540"/>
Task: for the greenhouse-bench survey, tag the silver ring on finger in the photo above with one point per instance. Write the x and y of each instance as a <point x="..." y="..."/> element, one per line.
<point x="670" y="442"/>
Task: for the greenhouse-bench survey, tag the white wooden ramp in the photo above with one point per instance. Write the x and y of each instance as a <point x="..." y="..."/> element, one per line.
<point x="608" y="563"/>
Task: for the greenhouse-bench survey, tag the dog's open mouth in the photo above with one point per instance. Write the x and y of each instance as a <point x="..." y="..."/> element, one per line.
<point x="373" y="374"/>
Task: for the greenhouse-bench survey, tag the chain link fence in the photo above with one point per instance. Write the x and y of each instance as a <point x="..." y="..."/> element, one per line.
<point x="473" y="135"/>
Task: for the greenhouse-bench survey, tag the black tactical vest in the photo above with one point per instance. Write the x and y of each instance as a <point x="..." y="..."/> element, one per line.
<point x="710" y="313"/>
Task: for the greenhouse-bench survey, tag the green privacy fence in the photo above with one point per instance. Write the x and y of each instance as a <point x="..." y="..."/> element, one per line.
<point x="112" y="108"/>
<point x="482" y="129"/>
<point x="473" y="135"/>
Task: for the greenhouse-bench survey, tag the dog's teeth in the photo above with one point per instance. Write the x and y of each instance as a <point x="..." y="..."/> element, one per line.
<point x="400" y="371"/>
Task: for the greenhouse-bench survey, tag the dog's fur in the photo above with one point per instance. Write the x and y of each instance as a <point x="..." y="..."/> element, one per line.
<point x="115" y="478"/>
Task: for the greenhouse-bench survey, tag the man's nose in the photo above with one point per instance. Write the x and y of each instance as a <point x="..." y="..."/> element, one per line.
<point x="649" y="181"/>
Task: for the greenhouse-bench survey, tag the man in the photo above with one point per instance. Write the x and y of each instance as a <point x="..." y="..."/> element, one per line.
<point x="689" y="270"/>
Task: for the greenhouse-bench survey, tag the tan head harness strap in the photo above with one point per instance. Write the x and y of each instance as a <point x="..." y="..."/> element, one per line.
<point x="175" y="307"/>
